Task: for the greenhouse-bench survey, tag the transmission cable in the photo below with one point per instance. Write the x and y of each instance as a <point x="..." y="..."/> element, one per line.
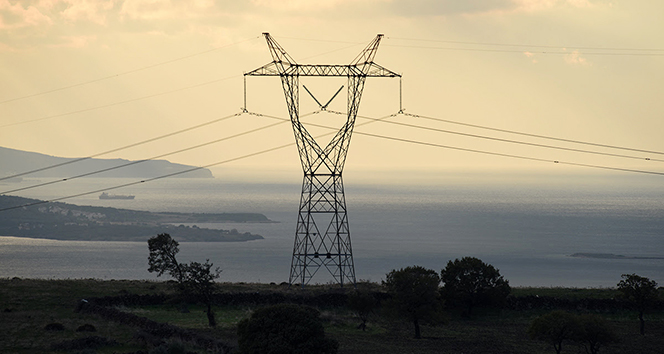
<point x="120" y="102"/>
<point x="122" y="147"/>
<point x="530" y="45"/>
<point x="511" y="141"/>
<point x="489" y="152"/>
<point x="532" y="135"/>
<point x="130" y="163"/>
<point x="188" y="170"/>
<point x="126" y="72"/>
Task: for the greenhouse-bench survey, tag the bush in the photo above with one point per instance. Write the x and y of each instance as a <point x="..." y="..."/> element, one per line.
<point x="284" y="329"/>
<point x="54" y="327"/>
<point x="415" y="296"/>
<point x="363" y="305"/>
<point x="86" y="328"/>
<point x="555" y="328"/>
<point x="469" y="282"/>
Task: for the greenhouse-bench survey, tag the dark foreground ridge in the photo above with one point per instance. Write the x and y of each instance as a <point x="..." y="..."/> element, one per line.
<point x="132" y="317"/>
<point x="62" y="221"/>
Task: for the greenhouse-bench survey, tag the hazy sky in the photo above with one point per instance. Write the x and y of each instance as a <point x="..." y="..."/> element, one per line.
<point x="590" y="70"/>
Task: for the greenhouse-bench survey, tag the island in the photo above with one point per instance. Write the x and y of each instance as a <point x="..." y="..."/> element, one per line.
<point x="63" y="221"/>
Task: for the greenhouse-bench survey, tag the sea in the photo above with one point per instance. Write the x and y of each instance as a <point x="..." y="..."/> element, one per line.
<point x="527" y="227"/>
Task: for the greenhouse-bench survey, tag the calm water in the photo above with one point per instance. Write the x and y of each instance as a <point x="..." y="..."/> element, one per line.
<point x="527" y="230"/>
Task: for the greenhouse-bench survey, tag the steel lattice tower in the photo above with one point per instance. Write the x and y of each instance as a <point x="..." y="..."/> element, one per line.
<point x="322" y="236"/>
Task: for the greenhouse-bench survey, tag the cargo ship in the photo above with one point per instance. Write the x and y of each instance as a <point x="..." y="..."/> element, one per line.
<point x="105" y="195"/>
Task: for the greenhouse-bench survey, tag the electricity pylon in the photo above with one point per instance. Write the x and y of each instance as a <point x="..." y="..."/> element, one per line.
<point x="322" y="204"/>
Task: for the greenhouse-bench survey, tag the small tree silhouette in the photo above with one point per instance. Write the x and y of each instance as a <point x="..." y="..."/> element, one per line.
<point x="415" y="294"/>
<point x="469" y="282"/>
<point x="363" y="304"/>
<point x="194" y="279"/>
<point x="555" y="328"/>
<point x="641" y="292"/>
<point x="594" y="333"/>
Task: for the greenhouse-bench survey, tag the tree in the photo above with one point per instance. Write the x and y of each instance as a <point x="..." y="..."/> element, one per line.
<point x="594" y="332"/>
<point x="363" y="304"/>
<point x="554" y="328"/>
<point x="469" y="282"/>
<point x="415" y="294"/>
<point x="194" y="279"/>
<point x="199" y="280"/>
<point x="284" y="329"/>
<point x="641" y="292"/>
<point x="162" y="257"/>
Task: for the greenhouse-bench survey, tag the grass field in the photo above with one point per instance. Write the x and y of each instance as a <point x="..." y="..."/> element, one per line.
<point x="28" y="306"/>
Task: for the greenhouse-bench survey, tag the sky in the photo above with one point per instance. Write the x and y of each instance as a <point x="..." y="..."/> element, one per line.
<point x="81" y="77"/>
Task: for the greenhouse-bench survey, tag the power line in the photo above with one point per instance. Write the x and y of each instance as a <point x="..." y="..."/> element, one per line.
<point x="188" y="170"/>
<point x="531" y="51"/>
<point x="122" y="147"/>
<point x="126" y="72"/>
<point x="372" y="120"/>
<point x="510" y="155"/>
<point x="119" y="102"/>
<point x="532" y="135"/>
<point x="145" y="160"/>
<point x="488" y="152"/>
<point x="530" y="45"/>
<point x="512" y="141"/>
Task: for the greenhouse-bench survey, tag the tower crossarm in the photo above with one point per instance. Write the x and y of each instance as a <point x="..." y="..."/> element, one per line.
<point x="372" y="70"/>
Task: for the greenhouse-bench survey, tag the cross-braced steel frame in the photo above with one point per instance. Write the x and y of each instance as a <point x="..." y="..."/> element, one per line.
<point x="322" y="236"/>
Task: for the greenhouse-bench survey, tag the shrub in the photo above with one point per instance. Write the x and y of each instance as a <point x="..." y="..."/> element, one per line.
<point x="283" y="329"/>
<point x="415" y="294"/>
<point x="555" y="328"/>
<point x="469" y="282"/>
<point x="54" y="327"/>
<point x="86" y="328"/>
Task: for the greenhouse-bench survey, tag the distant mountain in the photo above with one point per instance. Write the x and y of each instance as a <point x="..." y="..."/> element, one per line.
<point x="17" y="161"/>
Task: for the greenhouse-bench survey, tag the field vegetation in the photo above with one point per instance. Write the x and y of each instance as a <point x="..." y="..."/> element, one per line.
<point x="118" y="316"/>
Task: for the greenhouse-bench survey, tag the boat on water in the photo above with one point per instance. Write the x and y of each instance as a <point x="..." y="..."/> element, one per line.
<point x="105" y="195"/>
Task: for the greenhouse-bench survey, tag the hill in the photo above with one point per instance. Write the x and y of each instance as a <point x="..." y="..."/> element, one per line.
<point x="17" y="161"/>
<point x="62" y="221"/>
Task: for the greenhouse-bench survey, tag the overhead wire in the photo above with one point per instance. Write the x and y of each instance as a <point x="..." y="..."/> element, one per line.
<point x="512" y="141"/>
<point x="122" y="147"/>
<point x="522" y="51"/>
<point x="183" y="171"/>
<point x="490" y="152"/>
<point x="532" y="135"/>
<point x="130" y="163"/>
<point x="529" y="45"/>
<point x="127" y="72"/>
<point x="119" y="102"/>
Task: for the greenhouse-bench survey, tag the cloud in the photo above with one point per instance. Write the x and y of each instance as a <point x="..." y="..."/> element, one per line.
<point x="17" y="16"/>
<point x="90" y="10"/>
<point x="410" y="8"/>
<point x="574" y="58"/>
<point x="167" y="9"/>
<point x="74" y="41"/>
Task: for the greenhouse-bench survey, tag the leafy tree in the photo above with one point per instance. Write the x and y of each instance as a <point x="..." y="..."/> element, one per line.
<point x="594" y="333"/>
<point x="415" y="294"/>
<point x="163" y="250"/>
<point x="363" y="304"/>
<point x="554" y="328"/>
<point x="641" y="292"/>
<point x="284" y="329"/>
<point x="194" y="279"/>
<point x="469" y="282"/>
<point x="199" y="280"/>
